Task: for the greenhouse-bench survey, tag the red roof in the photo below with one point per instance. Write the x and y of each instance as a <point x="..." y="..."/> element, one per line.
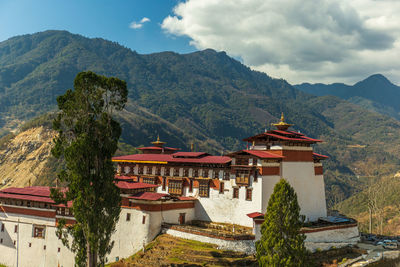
<point x="148" y="196"/>
<point x="263" y="154"/>
<point x="69" y="205"/>
<point x="189" y="154"/>
<point x="284" y="135"/>
<point x="255" y="214"/>
<point x="32" y="190"/>
<point x="170" y="158"/>
<point x="126" y="185"/>
<point x="319" y="156"/>
<point x="157" y="148"/>
<point x="26" y="197"/>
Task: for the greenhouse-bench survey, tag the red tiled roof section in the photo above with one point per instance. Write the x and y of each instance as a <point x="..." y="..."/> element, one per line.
<point x="43" y="191"/>
<point x="170" y="158"/>
<point x="255" y="215"/>
<point x="26" y="197"/>
<point x="148" y="196"/>
<point x="126" y="185"/>
<point x="189" y="154"/>
<point x="283" y="135"/>
<point x="157" y="148"/>
<point x="263" y="154"/>
<point x="186" y="198"/>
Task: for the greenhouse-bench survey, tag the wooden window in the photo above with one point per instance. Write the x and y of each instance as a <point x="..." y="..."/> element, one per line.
<point x="176" y="172"/>
<point x="16" y="229"/>
<point x="195" y="173"/>
<point x="29" y="244"/>
<point x="39" y="231"/>
<point x="186" y="172"/>
<point x="58" y="249"/>
<point x="249" y="193"/>
<point x="144" y="220"/>
<point x="28" y="204"/>
<point x="158" y="170"/>
<point x="140" y="170"/>
<point x="242" y="161"/>
<point x="190" y="185"/>
<point x="204" y="188"/>
<point x="128" y="217"/>
<point x="149" y="180"/>
<point x="44" y="247"/>
<point x="2" y="227"/>
<point x="235" y="192"/>
<point x="164" y="183"/>
<point x="175" y="187"/>
<point x="221" y="187"/>
<point x="227" y="175"/>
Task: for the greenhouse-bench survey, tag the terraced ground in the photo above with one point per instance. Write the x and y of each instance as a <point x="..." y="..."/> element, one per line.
<point x="167" y="250"/>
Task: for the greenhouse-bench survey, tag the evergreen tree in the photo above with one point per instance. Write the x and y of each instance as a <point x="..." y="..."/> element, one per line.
<point x="281" y="243"/>
<point x="87" y="139"/>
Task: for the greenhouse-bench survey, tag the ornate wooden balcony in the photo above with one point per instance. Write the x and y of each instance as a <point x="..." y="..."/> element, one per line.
<point x="242" y="180"/>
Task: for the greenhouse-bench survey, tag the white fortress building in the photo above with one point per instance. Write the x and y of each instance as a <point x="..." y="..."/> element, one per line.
<point x="163" y="186"/>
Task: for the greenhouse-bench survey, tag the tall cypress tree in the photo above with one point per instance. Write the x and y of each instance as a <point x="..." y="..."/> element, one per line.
<point x="87" y="139"/>
<point x="281" y="242"/>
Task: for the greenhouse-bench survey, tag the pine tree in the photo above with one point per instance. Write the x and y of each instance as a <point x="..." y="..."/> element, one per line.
<point x="87" y="139"/>
<point x="281" y="242"/>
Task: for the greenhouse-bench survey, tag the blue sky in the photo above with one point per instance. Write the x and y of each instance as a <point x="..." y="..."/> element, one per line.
<point x="300" y="41"/>
<point x="108" y="19"/>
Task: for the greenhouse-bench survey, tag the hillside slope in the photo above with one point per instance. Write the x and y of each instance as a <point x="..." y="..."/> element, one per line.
<point x="25" y="158"/>
<point x="375" y="93"/>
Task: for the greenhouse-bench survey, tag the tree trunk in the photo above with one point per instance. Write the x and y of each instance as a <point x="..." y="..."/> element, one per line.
<point x="91" y="256"/>
<point x="370" y="220"/>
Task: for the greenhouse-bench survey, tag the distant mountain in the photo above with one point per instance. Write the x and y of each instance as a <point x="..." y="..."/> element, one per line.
<point x="204" y="97"/>
<point x="375" y="93"/>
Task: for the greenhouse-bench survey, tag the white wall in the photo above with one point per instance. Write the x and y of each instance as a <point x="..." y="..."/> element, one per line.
<point x="224" y="208"/>
<point x="310" y="189"/>
<point x="35" y="255"/>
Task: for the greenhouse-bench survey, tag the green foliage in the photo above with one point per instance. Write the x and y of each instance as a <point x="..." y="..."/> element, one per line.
<point x="88" y="138"/>
<point x="281" y="242"/>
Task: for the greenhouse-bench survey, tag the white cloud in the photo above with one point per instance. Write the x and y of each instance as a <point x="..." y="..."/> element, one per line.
<point x="315" y="41"/>
<point x="138" y="25"/>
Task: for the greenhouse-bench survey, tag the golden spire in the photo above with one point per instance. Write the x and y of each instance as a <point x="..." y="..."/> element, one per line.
<point x="158" y="142"/>
<point x="282" y="125"/>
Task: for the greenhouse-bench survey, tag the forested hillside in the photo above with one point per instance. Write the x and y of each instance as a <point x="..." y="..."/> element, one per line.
<point x="204" y="97"/>
<point x="375" y="93"/>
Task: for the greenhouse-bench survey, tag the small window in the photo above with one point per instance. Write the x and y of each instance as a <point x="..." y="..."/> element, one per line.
<point x="28" y="203"/>
<point x="44" y="247"/>
<point x="164" y="183"/>
<point x="16" y="229"/>
<point x="176" y="171"/>
<point x="128" y="217"/>
<point x="221" y="187"/>
<point x="39" y="231"/>
<point x="30" y="244"/>
<point x="185" y="172"/>
<point x="226" y="175"/>
<point x="195" y="173"/>
<point x="2" y="227"/>
<point x="59" y="249"/>
<point x="249" y="192"/>
<point x="144" y="220"/>
<point x="235" y="192"/>
<point x="190" y="185"/>
<point x="15" y="242"/>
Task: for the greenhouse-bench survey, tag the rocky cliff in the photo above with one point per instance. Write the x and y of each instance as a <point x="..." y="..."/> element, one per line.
<point x="25" y="157"/>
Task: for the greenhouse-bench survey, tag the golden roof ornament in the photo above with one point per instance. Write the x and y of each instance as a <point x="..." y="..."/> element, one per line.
<point x="282" y="125"/>
<point x="158" y="142"/>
